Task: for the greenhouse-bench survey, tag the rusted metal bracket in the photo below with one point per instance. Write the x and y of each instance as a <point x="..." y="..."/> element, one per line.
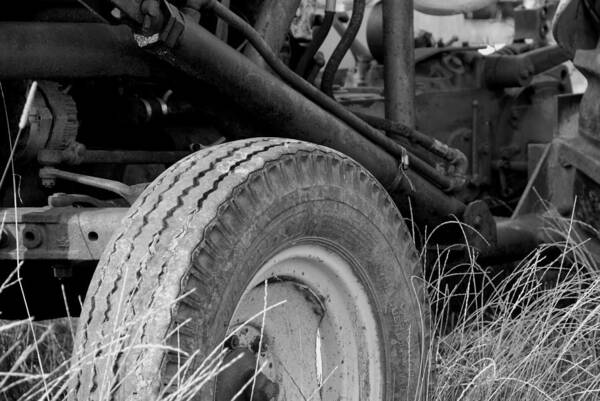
<point x="64" y="233"/>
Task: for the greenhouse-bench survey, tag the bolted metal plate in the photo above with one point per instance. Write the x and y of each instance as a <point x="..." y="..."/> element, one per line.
<point x="62" y="233"/>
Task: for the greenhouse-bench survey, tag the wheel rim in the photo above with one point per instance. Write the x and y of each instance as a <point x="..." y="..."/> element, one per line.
<point x="323" y="342"/>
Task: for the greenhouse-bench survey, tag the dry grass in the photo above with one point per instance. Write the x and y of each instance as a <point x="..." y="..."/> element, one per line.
<point x="19" y="366"/>
<point x="533" y="335"/>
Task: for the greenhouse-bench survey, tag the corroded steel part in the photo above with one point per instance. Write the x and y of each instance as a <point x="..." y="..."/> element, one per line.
<point x="58" y="233"/>
<point x="399" y="61"/>
<point x="279" y="108"/>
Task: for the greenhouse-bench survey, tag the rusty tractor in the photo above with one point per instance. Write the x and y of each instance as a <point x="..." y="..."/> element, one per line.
<point x="182" y="172"/>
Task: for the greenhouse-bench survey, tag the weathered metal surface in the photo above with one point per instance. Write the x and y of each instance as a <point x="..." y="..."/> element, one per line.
<point x="518" y="70"/>
<point x="587" y="209"/>
<point x="533" y="23"/>
<point x="516" y="238"/>
<point x="481" y="231"/>
<point x="399" y="64"/>
<point x="466" y="124"/>
<point x="470" y="117"/>
<point x="589" y="121"/>
<point x="574" y="28"/>
<point x="77" y="234"/>
<point x="49" y="175"/>
<point x="272" y="103"/>
<point x="537" y="190"/>
<point x="552" y="179"/>
<point x="75" y="155"/>
<point x="70" y="50"/>
<point x="280" y="108"/>
<point x="580" y="153"/>
<point x="421" y="201"/>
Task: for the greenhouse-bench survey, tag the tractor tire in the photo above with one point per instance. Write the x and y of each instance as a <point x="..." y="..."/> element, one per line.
<point x="236" y="227"/>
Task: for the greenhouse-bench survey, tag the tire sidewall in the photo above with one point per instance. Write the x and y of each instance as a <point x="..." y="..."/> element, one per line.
<point x="345" y="221"/>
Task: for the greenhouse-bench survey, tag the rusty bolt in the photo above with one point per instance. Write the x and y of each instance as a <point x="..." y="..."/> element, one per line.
<point x="32" y="237"/>
<point x="256" y="343"/>
<point x="48" y="182"/>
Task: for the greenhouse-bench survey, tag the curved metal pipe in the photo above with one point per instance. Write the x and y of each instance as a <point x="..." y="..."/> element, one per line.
<point x="318" y="39"/>
<point x="358" y="12"/>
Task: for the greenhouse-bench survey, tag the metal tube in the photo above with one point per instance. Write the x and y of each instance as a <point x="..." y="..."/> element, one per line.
<point x="359" y="51"/>
<point x="319" y="36"/>
<point x="51" y="157"/>
<point x="421" y="201"/>
<point x="358" y="11"/>
<point x="129" y="193"/>
<point x="502" y="70"/>
<point x="399" y="61"/>
<point x="52" y="50"/>
<point x="516" y="238"/>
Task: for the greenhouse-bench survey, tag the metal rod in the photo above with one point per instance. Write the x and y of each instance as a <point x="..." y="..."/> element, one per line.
<point x="358" y="11"/>
<point x="516" y="238"/>
<point x="399" y="61"/>
<point x="51" y="157"/>
<point x="474" y="145"/>
<point x="319" y="36"/>
<point x="127" y="192"/>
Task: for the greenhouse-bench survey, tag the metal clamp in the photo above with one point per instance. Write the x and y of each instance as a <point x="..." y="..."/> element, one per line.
<point x="403" y="164"/>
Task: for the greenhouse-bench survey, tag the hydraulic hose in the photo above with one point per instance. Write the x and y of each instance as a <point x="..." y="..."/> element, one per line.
<point x="358" y="12"/>
<point x="326" y="102"/>
<point x="452" y="155"/>
<point x="319" y="37"/>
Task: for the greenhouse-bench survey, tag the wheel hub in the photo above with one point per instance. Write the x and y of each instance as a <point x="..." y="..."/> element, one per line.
<point x="320" y="342"/>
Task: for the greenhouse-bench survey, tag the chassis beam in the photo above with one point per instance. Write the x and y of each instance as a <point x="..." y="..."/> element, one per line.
<point x="63" y="233"/>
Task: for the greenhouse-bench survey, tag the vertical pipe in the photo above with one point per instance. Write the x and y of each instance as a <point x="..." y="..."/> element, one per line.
<point x="399" y="61"/>
<point x="474" y="144"/>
